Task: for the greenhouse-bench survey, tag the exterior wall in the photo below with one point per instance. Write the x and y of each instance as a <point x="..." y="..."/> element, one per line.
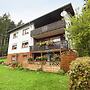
<point x="36" y="66"/>
<point x="66" y="58"/>
<point x="21" y="57"/>
<point x="19" y="39"/>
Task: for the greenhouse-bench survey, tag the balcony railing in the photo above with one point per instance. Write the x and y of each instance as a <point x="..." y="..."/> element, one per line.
<point x="49" y="27"/>
<point x="55" y="45"/>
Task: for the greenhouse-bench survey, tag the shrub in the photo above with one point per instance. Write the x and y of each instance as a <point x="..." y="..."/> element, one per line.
<point x="80" y="74"/>
<point x="55" y="59"/>
<point x="1" y="61"/>
<point x="61" y="72"/>
<point x="43" y="58"/>
<point x="38" y="58"/>
<point x="30" y="60"/>
<point x="14" y="64"/>
<point x="40" y="69"/>
<point x="19" y="66"/>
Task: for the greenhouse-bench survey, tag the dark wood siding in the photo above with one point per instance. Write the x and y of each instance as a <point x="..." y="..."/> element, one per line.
<point x="48" y="28"/>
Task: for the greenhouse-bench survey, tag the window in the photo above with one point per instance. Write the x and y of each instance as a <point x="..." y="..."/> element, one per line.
<point x="14" y="46"/>
<point x="25" y="44"/>
<point x="14" y="58"/>
<point x="15" y="35"/>
<point x="56" y="39"/>
<point x="25" y="31"/>
<point x="24" y="57"/>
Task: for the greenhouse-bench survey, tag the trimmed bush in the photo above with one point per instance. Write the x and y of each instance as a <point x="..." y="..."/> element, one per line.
<point x="61" y="72"/>
<point x="14" y="64"/>
<point x="1" y="61"/>
<point x="80" y="74"/>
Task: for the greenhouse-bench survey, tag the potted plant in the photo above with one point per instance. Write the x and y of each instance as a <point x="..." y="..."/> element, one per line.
<point x="38" y="58"/>
<point x="44" y="58"/>
<point x="30" y="59"/>
<point x="49" y="42"/>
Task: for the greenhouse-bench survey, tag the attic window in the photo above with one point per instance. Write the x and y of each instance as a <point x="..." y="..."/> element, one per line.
<point x="25" y="31"/>
<point x="15" y="35"/>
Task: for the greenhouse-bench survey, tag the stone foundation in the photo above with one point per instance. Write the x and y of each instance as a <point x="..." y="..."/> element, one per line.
<point x="66" y="58"/>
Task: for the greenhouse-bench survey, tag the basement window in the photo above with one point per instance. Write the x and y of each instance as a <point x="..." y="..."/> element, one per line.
<point x="25" y="57"/>
<point x="25" y="44"/>
<point x="13" y="58"/>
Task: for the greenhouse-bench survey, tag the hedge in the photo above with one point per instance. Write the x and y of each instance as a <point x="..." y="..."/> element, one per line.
<point x="80" y="74"/>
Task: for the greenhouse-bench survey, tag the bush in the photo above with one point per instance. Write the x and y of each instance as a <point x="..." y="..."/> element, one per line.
<point x="43" y="58"/>
<point x="14" y="64"/>
<point x="80" y="74"/>
<point x="38" y="58"/>
<point x="30" y="59"/>
<point x="1" y="61"/>
<point x="61" y="72"/>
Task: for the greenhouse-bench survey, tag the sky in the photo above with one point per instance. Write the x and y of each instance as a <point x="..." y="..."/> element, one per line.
<point x="27" y="10"/>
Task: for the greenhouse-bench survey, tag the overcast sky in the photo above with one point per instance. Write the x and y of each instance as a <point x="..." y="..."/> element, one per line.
<point x="28" y="10"/>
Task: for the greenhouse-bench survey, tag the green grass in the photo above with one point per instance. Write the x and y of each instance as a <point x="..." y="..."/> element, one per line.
<point x="3" y="60"/>
<point x="31" y="80"/>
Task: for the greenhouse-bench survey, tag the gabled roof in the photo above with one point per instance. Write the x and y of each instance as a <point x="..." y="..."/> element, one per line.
<point x="48" y="18"/>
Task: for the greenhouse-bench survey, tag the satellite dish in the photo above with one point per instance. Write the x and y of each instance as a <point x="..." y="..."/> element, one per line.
<point x="63" y="13"/>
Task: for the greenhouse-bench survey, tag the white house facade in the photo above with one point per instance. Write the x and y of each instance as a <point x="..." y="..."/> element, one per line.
<point x="23" y="41"/>
<point x="20" y="40"/>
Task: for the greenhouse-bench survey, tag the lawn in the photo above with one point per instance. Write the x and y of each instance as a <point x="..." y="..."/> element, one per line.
<point x="2" y="60"/>
<point x="31" y="80"/>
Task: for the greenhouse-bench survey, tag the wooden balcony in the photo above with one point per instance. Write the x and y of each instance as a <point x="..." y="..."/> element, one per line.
<point x="49" y="30"/>
<point x="52" y="48"/>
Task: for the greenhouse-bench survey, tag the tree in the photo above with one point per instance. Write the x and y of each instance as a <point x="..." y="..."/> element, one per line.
<point x="20" y="23"/>
<point x="79" y="31"/>
<point x="6" y="24"/>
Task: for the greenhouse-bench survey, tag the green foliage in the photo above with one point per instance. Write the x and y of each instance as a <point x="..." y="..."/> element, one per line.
<point x="6" y="24"/>
<point x="80" y="32"/>
<point x="20" y="23"/>
<point x="14" y="64"/>
<point x="2" y="60"/>
<point x="38" y="58"/>
<point x="80" y="74"/>
<point x="30" y="59"/>
<point x="41" y="58"/>
<point x="45" y="43"/>
<point x="55" y="60"/>
<point x="61" y="72"/>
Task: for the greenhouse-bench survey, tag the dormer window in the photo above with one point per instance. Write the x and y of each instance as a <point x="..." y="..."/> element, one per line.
<point x="25" y="31"/>
<point x="15" y="35"/>
<point x="14" y="46"/>
<point x="25" y="44"/>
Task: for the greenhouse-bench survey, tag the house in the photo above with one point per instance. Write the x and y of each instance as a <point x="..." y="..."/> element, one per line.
<point x="44" y="36"/>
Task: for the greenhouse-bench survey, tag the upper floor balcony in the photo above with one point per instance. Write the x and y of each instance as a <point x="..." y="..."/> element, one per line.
<point x="56" y="46"/>
<point x="49" y="30"/>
